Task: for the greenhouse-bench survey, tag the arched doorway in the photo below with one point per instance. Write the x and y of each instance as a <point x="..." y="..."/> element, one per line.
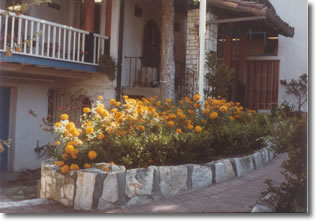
<point x="151" y="47"/>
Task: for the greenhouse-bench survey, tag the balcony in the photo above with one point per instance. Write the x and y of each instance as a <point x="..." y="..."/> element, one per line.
<point x="31" y="41"/>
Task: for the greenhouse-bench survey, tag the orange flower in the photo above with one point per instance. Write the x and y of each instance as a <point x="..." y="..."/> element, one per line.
<point x="89" y="130"/>
<point x="178" y="131"/>
<point x="198" y="129"/>
<point x="205" y="111"/>
<point x="92" y="154"/>
<point x="74" y="132"/>
<point x="117" y="104"/>
<point x="113" y="102"/>
<point x="197" y="97"/>
<point x="87" y="165"/>
<point x="64" y="156"/>
<point x="237" y="116"/>
<point x="101" y="136"/>
<point x="231" y="118"/>
<point x="141" y="128"/>
<point x="86" y="110"/>
<point x="100" y="98"/>
<point x="150" y="161"/>
<point x="57" y="143"/>
<point x="106" y="169"/>
<point x="65" y="169"/>
<point x="64" y="117"/>
<point x="191" y="112"/>
<point x="74" y="167"/>
<point x="114" y="110"/>
<point x="59" y="163"/>
<point x="203" y="121"/>
<point x="187" y="100"/>
<point x="70" y="126"/>
<point x="213" y="115"/>
<point x="69" y="149"/>
<point x="190" y="126"/>
<point x="89" y="123"/>
<point x="112" y="163"/>
<point x="170" y="124"/>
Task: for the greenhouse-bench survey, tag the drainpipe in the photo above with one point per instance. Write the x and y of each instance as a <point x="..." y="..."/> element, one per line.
<point x="120" y="52"/>
<point x="202" y="47"/>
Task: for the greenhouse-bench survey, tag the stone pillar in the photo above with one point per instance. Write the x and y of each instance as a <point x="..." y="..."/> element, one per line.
<point x="192" y="45"/>
<point x="89" y="15"/>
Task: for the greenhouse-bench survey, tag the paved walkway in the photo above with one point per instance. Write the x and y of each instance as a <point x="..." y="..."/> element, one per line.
<point x="236" y="195"/>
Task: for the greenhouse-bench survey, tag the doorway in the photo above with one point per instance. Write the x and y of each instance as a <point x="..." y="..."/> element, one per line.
<point x="5" y="94"/>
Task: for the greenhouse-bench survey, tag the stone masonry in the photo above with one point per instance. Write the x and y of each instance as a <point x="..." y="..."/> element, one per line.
<point x="193" y="43"/>
<point x="95" y="189"/>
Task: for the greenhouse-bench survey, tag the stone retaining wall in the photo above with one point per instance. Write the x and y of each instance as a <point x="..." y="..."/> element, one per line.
<point x="94" y="188"/>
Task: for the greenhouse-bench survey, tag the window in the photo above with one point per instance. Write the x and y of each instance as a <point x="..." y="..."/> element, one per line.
<point x="55" y="101"/>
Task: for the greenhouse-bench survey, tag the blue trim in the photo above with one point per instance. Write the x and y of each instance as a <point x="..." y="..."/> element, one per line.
<point x="47" y="62"/>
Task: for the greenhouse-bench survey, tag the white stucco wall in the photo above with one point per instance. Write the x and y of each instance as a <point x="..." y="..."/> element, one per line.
<point x="293" y="52"/>
<point x="26" y="95"/>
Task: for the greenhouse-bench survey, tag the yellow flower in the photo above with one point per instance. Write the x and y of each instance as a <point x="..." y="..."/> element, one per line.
<point x="87" y="165"/>
<point x="156" y="115"/>
<point x="105" y="113"/>
<point x="113" y="102"/>
<point x="74" y="132"/>
<point x="100" y="98"/>
<point x="59" y="163"/>
<point x="89" y="123"/>
<point x="101" y="136"/>
<point x="64" y="117"/>
<point x="198" y="129"/>
<point x="117" y="104"/>
<point x="106" y="169"/>
<point x="89" y="130"/>
<point x="213" y="115"/>
<point x="58" y="124"/>
<point x="170" y="124"/>
<point x="190" y="126"/>
<point x="178" y="131"/>
<point x="114" y="110"/>
<point x="64" y="169"/>
<point x="223" y="108"/>
<point x="125" y="97"/>
<point x="79" y="142"/>
<point x="70" y="126"/>
<point x="74" y="167"/>
<point x="231" y="118"/>
<point x="92" y="154"/>
<point x="57" y="143"/>
<point x="141" y="128"/>
<point x="86" y="110"/>
<point x="191" y="112"/>
<point x="69" y="149"/>
<point x="197" y="97"/>
<point x="187" y="100"/>
<point x="158" y="103"/>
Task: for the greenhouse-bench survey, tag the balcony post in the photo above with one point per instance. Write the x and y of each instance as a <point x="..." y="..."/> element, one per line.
<point x="89" y="15"/>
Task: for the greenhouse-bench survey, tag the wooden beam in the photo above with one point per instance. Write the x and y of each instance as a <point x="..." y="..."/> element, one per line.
<point x="32" y="70"/>
<point x="232" y="20"/>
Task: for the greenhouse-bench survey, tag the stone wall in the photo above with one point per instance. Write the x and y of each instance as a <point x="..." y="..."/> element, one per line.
<point x="193" y="42"/>
<point x="94" y="188"/>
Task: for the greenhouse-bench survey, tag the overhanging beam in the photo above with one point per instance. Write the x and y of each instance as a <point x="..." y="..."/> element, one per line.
<point x="232" y="20"/>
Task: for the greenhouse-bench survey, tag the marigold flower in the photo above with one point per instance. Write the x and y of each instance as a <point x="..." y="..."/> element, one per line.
<point x="191" y="112"/>
<point x="69" y="149"/>
<point x="178" y="131"/>
<point x="196" y="97"/>
<point x="86" y="110"/>
<point x="156" y="115"/>
<point x="89" y="130"/>
<point x="170" y="124"/>
<point x="87" y="165"/>
<point x="158" y="103"/>
<point x="74" y="167"/>
<point x="117" y="104"/>
<point x="237" y="116"/>
<point x="101" y="136"/>
<point x="65" y="169"/>
<point x="141" y="128"/>
<point x="58" y="124"/>
<point x="74" y="132"/>
<point x="79" y="142"/>
<point x="231" y="118"/>
<point x="106" y="169"/>
<point x="59" y="163"/>
<point x="190" y="126"/>
<point x="198" y="129"/>
<point x="112" y="163"/>
<point x="105" y="113"/>
<point x="70" y="126"/>
<point x="100" y="98"/>
<point x="92" y="154"/>
<point x="114" y="110"/>
<point x="125" y="97"/>
<point x="57" y="143"/>
<point x="150" y="161"/>
<point x="113" y="102"/>
<point x="203" y="121"/>
<point x="187" y="100"/>
<point x="64" y="117"/>
<point x="205" y="111"/>
<point x="223" y="108"/>
<point x="64" y="156"/>
<point x="213" y="115"/>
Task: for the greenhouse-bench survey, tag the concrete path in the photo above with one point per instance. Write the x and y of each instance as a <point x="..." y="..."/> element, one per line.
<point x="236" y="195"/>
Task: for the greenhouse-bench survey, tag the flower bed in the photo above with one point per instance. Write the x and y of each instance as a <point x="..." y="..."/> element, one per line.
<point x="140" y="133"/>
<point x="96" y="188"/>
